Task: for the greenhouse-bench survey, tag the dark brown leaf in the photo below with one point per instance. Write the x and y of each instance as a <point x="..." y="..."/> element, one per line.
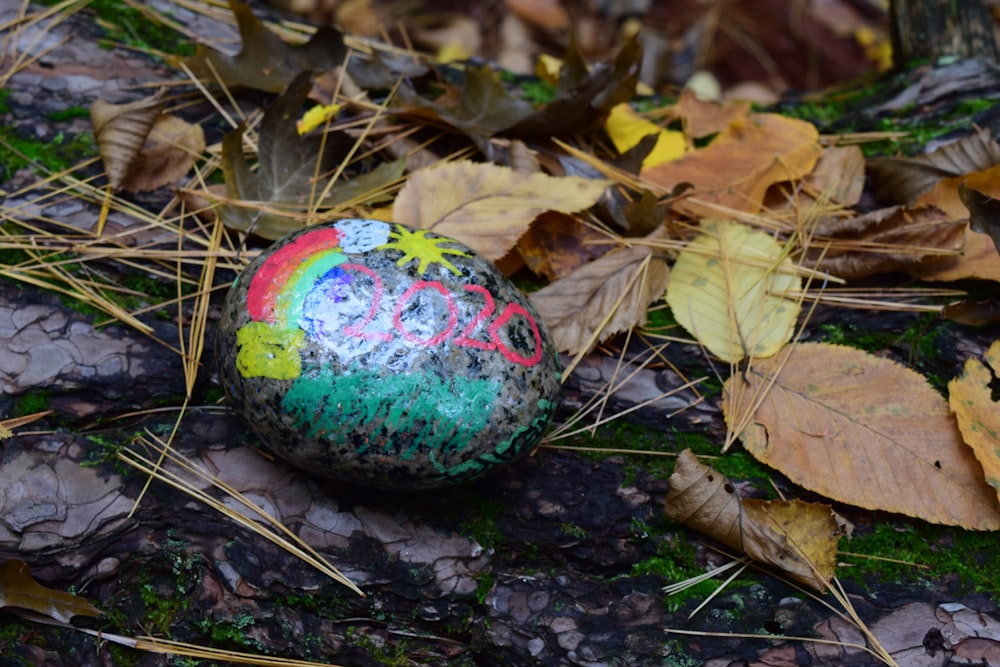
<point x="19" y="591"/>
<point x="266" y="62"/>
<point x="984" y="210"/>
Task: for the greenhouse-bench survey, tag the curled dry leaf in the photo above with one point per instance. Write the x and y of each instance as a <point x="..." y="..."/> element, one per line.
<point x="861" y="430"/>
<point x="903" y="180"/>
<point x="557" y="244"/>
<point x="121" y="131"/>
<point x="725" y="290"/>
<point x="605" y="297"/>
<point x="171" y="149"/>
<point x="485" y="206"/>
<point x="740" y="164"/>
<point x="971" y="398"/>
<point x="18" y="590"/>
<point x="888" y="239"/>
<point x="798" y="538"/>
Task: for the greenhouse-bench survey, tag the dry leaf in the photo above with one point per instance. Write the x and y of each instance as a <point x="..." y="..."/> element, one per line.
<point x="265" y="62"/>
<point x="700" y="118"/>
<point x="485" y="206"/>
<point x="121" y="131"/>
<point x="627" y="128"/>
<point x="973" y="400"/>
<point x="796" y="537"/>
<point x="545" y="13"/>
<point x="839" y="176"/>
<point x="19" y="591"/>
<point x="557" y="244"/>
<point x="725" y="290"/>
<point x="903" y="180"/>
<point x="605" y="297"/>
<point x="888" y="239"/>
<point x="984" y="211"/>
<point x="170" y="150"/>
<point x="980" y="259"/>
<point x="861" y="430"/>
<point x="738" y="167"/>
<point x="974" y="312"/>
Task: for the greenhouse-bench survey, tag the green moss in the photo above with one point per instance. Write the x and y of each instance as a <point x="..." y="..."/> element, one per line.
<point x="69" y="114"/>
<point x="127" y="25"/>
<point x="57" y="154"/>
<point x="974" y="557"/>
<point x="31" y="403"/>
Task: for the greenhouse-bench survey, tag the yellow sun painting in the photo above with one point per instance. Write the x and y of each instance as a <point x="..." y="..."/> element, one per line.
<point x="416" y="245"/>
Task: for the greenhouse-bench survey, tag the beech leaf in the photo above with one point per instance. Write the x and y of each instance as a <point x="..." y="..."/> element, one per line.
<point x="725" y="290"/>
<point x="798" y="538"/>
<point x="20" y="591"/>
<point x="605" y="297"/>
<point x="266" y="62"/>
<point x="973" y="401"/>
<point x="861" y="430"/>
<point x="486" y="206"/>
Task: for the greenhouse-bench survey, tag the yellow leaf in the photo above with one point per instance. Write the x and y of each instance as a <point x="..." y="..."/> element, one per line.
<point x="602" y="298"/>
<point x="485" y="206"/>
<point x="971" y="399"/>
<point x="861" y="430"/>
<point x="547" y="68"/>
<point x="796" y="537"/>
<point x="627" y="128"/>
<point x="452" y="52"/>
<point x="724" y="289"/>
<point x="316" y="116"/>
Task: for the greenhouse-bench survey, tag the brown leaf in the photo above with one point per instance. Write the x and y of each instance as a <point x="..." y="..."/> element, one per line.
<point x="798" y="538"/>
<point x="121" y="131"/>
<point x="265" y="62"/>
<point x="738" y="167"/>
<point x="171" y="149"/>
<point x="700" y="118"/>
<point x="984" y="209"/>
<point x="545" y="13"/>
<point x="557" y="244"/>
<point x="274" y="200"/>
<point x="971" y="398"/>
<point x="887" y="240"/>
<point x="861" y="430"/>
<point x="485" y="206"/>
<point x="974" y="312"/>
<point x="18" y="590"/>
<point x="903" y="180"/>
<point x="605" y="297"/>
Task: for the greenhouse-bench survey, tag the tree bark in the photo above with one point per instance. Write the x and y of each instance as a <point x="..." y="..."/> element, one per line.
<point x="941" y="28"/>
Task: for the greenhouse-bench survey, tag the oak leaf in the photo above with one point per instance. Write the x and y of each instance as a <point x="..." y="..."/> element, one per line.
<point x="18" y="590"/>
<point x="740" y="164"/>
<point x="971" y="398"/>
<point x="798" y="538"/>
<point x="486" y="206"/>
<point x="277" y="198"/>
<point x="266" y="62"/>
<point x="861" y="430"/>
<point x="725" y="290"/>
<point x="605" y="297"/>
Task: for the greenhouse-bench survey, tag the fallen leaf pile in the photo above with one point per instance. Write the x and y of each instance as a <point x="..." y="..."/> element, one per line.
<point x="732" y="217"/>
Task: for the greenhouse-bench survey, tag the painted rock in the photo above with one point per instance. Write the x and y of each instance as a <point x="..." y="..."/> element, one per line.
<point x="369" y="352"/>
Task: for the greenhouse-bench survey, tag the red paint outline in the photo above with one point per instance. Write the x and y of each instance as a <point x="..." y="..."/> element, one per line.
<point x="508" y="312"/>
<point x="397" y="313"/>
<point x="464" y="339"/>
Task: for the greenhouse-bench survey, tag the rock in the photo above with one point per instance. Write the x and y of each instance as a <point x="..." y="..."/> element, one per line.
<point x="368" y="352"/>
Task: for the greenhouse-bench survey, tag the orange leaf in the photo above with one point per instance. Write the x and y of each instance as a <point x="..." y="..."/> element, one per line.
<point x="978" y="413"/>
<point x="700" y="118"/>
<point x="736" y="169"/>
<point x="796" y="537"/>
<point x="861" y="430"/>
